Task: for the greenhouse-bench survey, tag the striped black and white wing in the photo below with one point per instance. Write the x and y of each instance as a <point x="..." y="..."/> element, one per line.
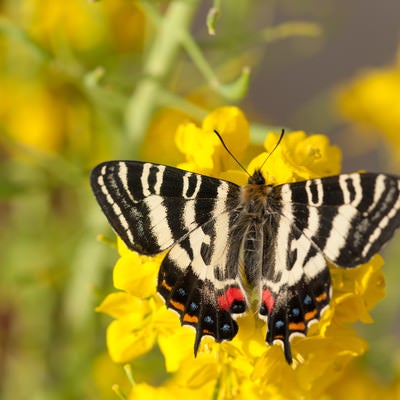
<point x="345" y="219"/>
<point x="348" y="217"/>
<point x="154" y="208"/>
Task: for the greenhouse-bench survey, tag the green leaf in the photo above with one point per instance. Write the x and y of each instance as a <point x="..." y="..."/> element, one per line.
<point x="212" y="16"/>
<point x="238" y="89"/>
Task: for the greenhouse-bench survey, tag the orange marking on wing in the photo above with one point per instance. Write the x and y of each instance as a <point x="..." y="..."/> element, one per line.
<point x="190" y="318"/>
<point x="207" y="332"/>
<point x="278" y="337"/>
<point x="163" y="283"/>
<point x="297" y="326"/>
<point x="178" y="306"/>
<point x="321" y="297"/>
<point x="310" y="315"/>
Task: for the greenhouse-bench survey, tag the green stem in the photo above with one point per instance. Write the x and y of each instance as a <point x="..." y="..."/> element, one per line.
<point x="289" y="29"/>
<point x="199" y="60"/>
<point x="232" y="91"/>
<point x="160" y="60"/>
<point x="179" y="103"/>
<point x="12" y="30"/>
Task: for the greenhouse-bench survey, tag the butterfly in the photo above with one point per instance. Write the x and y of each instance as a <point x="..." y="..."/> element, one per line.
<point x="226" y="242"/>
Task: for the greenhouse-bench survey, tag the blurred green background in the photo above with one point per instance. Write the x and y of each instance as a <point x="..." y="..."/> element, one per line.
<point x="85" y="81"/>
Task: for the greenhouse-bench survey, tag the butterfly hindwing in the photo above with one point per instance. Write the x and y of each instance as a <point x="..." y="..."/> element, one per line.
<point x="295" y="280"/>
<point x="199" y="277"/>
<point x="199" y="302"/>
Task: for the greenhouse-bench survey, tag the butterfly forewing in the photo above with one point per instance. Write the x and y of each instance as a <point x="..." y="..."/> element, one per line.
<point x="348" y="217"/>
<point x="153" y="206"/>
<point x="280" y="235"/>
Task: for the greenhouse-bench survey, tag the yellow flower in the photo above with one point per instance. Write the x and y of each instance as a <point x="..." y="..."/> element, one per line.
<point x="371" y="102"/>
<point x="246" y="367"/>
<point x="358" y="290"/>
<point x="106" y="373"/>
<point x="169" y="391"/>
<point x="133" y="332"/>
<point x="298" y="157"/>
<point x="202" y="148"/>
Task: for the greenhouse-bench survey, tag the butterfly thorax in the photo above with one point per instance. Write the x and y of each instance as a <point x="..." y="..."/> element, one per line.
<point x="254" y="195"/>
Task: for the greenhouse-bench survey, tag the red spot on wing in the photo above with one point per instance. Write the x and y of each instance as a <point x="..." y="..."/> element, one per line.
<point x="226" y="300"/>
<point x="268" y="300"/>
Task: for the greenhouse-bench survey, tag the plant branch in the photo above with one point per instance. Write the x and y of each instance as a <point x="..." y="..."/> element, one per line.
<point x="160" y="60"/>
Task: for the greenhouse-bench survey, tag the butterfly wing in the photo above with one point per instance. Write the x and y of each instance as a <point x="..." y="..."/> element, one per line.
<point x="348" y="217"/>
<point x="295" y="286"/>
<point x="345" y="218"/>
<point x="154" y="208"/>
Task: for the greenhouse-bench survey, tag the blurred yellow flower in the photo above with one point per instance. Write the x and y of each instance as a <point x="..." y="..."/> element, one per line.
<point x="39" y="120"/>
<point x="46" y="104"/>
<point x="246" y="367"/>
<point x="30" y="115"/>
<point x="126" y="24"/>
<point x="105" y="374"/>
<point x="359" y="384"/>
<point x="371" y="101"/>
<point x="84" y="25"/>
<point x="162" y="131"/>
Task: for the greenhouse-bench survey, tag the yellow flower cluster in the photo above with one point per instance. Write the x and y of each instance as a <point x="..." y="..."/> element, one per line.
<point x="371" y="101"/>
<point x="202" y="148"/>
<point x="83" y="26"/>
<point x="246" y="367"/>
<point x="298" y="157"/>
<point x="44" y="107"/>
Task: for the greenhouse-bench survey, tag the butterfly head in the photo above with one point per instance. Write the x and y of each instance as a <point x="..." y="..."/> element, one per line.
<point x="257" y="178"/>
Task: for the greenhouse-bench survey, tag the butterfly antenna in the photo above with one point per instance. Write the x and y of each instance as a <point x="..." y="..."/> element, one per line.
<point x="230" y="153"/>
<point x="275" y="147"/>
